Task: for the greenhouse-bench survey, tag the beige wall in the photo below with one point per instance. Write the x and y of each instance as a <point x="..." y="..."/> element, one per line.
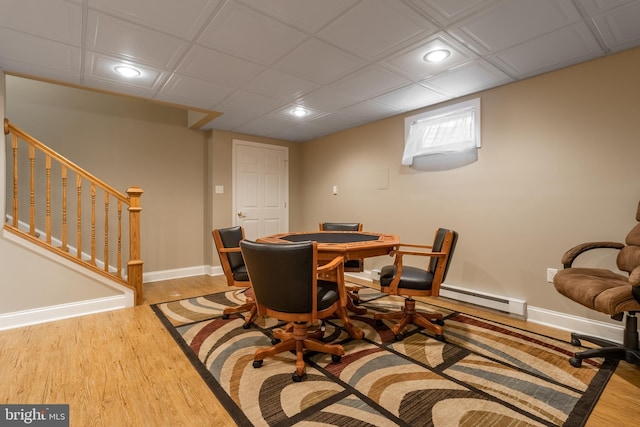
<point x="558" y="166"/>
<point x="127" y="142"/>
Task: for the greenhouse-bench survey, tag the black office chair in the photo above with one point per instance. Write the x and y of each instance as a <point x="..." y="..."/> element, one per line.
<point x="227" y="242"/>
<point x="607" y="292"/>
<point x="405" y="280"/>
<point x="286" y="286"/>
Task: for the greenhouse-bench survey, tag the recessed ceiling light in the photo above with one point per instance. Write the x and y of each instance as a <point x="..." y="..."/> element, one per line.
<point x="437" y="55"/>
<point x="299" y="112"/>
<point x="127" y="71"/>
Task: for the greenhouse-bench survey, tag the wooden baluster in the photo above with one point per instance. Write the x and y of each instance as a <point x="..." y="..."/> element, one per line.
<point x="134" y="266"/>
<point x="93" y="223"/>
<point x="47" y="215"/>
<point x="14" y="147"/>
<point x="64" y="207"/>
<point x="32" y="190"/>
<point x="119" y="248"/>
<point x="106" y="231"/>
<point x="79" y="217"/>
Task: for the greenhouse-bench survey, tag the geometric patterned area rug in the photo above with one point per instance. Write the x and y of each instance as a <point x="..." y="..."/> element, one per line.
<point x="484" y="374"/>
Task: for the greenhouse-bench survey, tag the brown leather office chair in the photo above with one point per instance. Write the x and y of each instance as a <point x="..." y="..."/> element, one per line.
<point x="405" y="280"/>
<point x="607" y="292"/>
<point x="227" y="242"/>
<point x="286" y="286"/>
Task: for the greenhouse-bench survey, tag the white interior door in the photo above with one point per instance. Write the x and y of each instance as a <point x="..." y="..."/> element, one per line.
<point x="260" y="188"/>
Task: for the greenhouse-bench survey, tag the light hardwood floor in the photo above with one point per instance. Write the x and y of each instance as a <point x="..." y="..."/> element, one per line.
<point x="122" y="368"/>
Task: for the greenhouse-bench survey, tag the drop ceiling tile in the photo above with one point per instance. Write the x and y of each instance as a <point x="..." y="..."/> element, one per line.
<point x="244" y="100"/>
<point x="115" y="37"/>
<point x="51" y="19"/>
<point x="179" y="18"/>
<point x="194" y="92"/>
<point x="307" y="15"/>
<point x="560" y="48"/>
<point x="370" y="82"/>
<point x="620" y="27"/>
<point x="446" y="12"/>
<point x="248" y="34"/>
<point x="265" y="125"/>
<point x="514" y="22"/>
<point x="374" y="27"/>
<point x="217" y="67"/>
<point x="466" y="79"/>
<point x="595" y="7"/>
<point x="412" y="97"/>
<point x="231" y="119"/>
<point x="318" y="62"/>
<point x="100" y="68"/>
<point x="328" y="99"/>
<point x="38" y="52"/>
<point x="410" y="61"/>
<point x="279" y="85"/>
<point x="357" y="114"/>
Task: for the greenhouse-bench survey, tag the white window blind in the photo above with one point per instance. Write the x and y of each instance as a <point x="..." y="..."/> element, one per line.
<point x="452" y="129"/>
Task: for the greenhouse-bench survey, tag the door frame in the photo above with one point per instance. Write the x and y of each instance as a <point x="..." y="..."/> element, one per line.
<point x="234" y="147"/>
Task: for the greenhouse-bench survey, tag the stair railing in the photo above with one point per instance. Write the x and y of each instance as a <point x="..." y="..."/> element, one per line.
<point x="42" y="209"/>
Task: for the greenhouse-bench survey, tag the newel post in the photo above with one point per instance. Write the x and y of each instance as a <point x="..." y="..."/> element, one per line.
<point x="134" y="266"/>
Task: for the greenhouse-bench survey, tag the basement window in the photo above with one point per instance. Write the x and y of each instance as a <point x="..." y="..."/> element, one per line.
<point x="444" y="138"/>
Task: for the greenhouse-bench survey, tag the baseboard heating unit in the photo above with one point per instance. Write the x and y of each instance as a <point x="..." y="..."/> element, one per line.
<point x="507" y="305"/>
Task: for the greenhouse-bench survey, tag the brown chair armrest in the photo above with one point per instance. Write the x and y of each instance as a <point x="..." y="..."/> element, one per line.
<point x="225" y="250"/>
<point x="335" y="269"/>
<point x="399" y="253"/>
<point x="569" y="257"/>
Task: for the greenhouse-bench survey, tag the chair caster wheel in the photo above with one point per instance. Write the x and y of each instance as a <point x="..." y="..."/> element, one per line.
<point x="257" y="363"/>
<point x="274" y="341"/>
<point x="379" y="323"/>
<point x="297" y="378"/>
<point x="438" y="322"/>
<point x="575" y="362"/>
<point x="399" y="337"/>
<point x="440" y="337"/>
<point x="576" y="342"/>
<point x="225" y="316"/>
<point x="246" y="326"/>
<point x="336" y="358"/>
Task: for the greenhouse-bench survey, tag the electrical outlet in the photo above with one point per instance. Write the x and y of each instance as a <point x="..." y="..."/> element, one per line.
<point x="551" y="272"/>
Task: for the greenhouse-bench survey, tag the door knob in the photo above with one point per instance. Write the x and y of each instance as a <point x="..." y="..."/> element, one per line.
<point x="240" y="214"/>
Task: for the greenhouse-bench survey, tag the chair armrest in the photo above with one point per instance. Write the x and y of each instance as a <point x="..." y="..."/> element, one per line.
<point x="634" y="280"/>
<point x="230" y="250"/>
<point x="572" y="254"/>
<point x="419" y="250"/>
<point x="335" y="270"/>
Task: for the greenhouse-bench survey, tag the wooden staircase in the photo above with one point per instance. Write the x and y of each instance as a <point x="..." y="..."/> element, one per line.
<point x="44" y="209"/>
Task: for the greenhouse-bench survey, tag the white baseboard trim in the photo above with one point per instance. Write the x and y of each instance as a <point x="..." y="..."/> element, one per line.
<point x="582" y="325"/>
<point x="176" y="273"/>
<point x="62" y="311"/>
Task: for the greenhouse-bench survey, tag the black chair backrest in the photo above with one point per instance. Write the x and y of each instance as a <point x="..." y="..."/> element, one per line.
<point x="231" y="238"/>
<point x="438" y="244"/>
<point x="341" y="226"/>
<point x="281" y="274"/>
